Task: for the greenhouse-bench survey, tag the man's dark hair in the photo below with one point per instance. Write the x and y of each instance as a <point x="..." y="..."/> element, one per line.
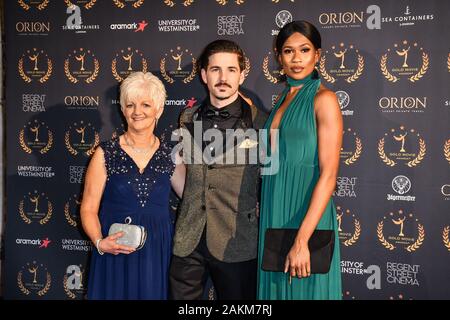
<point x="221" y="46"/>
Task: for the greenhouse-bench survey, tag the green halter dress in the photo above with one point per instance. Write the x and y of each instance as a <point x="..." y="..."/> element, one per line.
<point x="286" y="195"/>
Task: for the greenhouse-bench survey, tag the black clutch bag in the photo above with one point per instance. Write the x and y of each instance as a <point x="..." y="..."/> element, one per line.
<point x="278" y="242"/>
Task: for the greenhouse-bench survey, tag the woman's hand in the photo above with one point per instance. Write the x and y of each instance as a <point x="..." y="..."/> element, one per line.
<point x="110" y="245"/>
<point x="298" y="262"/>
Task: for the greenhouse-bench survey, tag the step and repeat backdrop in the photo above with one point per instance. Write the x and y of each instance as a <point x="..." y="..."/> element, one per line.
<point x="387" y="61"/>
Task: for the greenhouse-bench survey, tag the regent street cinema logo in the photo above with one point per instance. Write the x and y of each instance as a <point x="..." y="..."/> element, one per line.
<point x="81" y="138"/>
<point x="34" y="278"/>
<point x="35" y="136"/>
<point x="400" y="229"/>
<point x="404" y="61"/>
<point x="81" y="65"/>
<point x="35" y="207"/>
<point x="402" y="146"/>
<point x="35" y="65"/>
<point x="172" y="69"/>
<point x="127" y="61"/>
<point x="341" y="62"/>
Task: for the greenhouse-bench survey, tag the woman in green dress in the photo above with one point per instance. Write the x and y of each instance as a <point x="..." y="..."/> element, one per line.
<point x="306" y="133"/>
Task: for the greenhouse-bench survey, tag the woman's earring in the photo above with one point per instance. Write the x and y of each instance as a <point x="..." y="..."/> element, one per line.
<point x="156" y="122"/>
<point x="282" y="71"/>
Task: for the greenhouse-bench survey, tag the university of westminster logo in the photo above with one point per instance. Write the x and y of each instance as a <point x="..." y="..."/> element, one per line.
<point x="406" y="224"/>
<point x="397" y="139"/>
<point x="34" y="277"/>
<point x="31" y="137"/>
<point x="35" y="65"/>
<point x="127" y="61"/>
<point x="87" y="66"/>
<point x="349" y="69"/>
<point x="405" y="59"/>
<point x="38" y="4"/>
<point x="35" y="206"/>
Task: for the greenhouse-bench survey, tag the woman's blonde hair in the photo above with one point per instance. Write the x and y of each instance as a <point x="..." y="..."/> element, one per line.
<point x="139" y="84"/>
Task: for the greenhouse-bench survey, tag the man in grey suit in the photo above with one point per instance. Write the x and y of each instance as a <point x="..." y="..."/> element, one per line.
<point x="217" y="226"/>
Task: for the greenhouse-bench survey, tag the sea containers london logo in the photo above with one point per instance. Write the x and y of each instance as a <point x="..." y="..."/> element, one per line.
<point x="75" y="21"/>
<point x="402" y="146"/>
<point x="127" y="61"/>
<point x="81" y="65"/>
<point x="404" y="60"/>
<point x="35" y="207"/>
<point x="35" y="65"/>
<point x="34" y="278"/>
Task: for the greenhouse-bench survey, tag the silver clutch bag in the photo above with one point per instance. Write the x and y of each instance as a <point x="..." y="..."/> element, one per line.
<point x="134" y="235"/>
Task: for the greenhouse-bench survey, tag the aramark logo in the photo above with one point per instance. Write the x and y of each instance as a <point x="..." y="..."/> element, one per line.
<point x="181" y="103"/>
<point x="136" y="27"/>
<point x="35" y="242"/>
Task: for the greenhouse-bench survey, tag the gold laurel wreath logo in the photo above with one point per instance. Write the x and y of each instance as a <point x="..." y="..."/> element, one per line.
<point x="68" y="146"/>
<point x="448" y="62"/>
<point x="121" y="5"/>
<point x="267" y="72"/>
<point x="420" y="155"/>
<point x="169" y="3"/>
<point x="20" y="284"/>
<point x="356" y="154"/>
<point x="48" y="73"/>
<point x="40" y="6"/>
<point x="162" y="69"/>
<point x="385" y="71"/>
<point x="416" y="245"/>
<point x="355" y="235"/>
<point x="247" y="67"/>
<point x="324" y="72"/>
<point x="90" y="79"/>
<point x="48" y="282"/>
<point x="445" y="237"/>
<point x="69" y="293"/>
<point x="67" y="72"/>
<point x="224" y="2"/>
<point x="22" y="142"/>
<point x="69" y="219"/>
<point x="28" y="149"/>
<point x="276" y="1"/>
<point x="383" y="155"/>
<point x="380" y="235"/>
<point x="88" y="5"/>
<point x="186" y="3"/>
<point x="96" y="142"/>
<point x="358" y="71"/>
<point x="22" y="213"/>
<point x="22" y="72"/>
<point x="116" y="74"/>
<point x="447" y="150"/>
<point x="423" y="69"/>
<point x="48" y="215"/>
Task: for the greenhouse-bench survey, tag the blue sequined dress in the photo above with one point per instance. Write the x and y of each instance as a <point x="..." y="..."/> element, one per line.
<point x="145" y="198"/>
